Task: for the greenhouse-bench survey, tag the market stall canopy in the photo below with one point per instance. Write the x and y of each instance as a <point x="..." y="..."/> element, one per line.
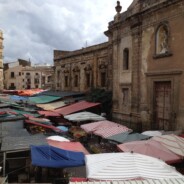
<point x="152" y="133"/>
<point x="151" y="148"/>
<point x="104" y="128"/>
<point x="52" y="105"/>
<point x="75" y="107"/>
<point x="148" y="181"/>
<point x="172" y="142"/>
<point x="48" y="156"/>
<point x="84" y="116"/>
<point x="58" y="138"/>
<point x="49" y="113"/>
<point x="21" y="142"/>
<point x="29" y="92"/>
<point x="18" y="98"/>
<point x="43" y="125"/>
<point x="127" y="137"/>
<point x="126" y="166"/>
<point x="71" y="146"/>
<point x="43" y="99"/>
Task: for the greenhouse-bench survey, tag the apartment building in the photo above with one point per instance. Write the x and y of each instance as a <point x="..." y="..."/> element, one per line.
<point x="21" y="75"/>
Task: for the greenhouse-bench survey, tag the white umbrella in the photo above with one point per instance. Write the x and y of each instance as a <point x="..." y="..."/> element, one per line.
<point x="125" y="166"/>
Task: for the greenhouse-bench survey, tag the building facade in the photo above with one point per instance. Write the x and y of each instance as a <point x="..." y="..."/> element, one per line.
<point x="84" y="69"/>
<point x="148" y="79"/>
<point x="1" y="60"/>
<point x="21" y="75"/>
<point x="142" y="63"/>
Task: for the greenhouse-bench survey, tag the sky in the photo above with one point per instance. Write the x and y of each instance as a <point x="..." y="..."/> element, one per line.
<point x="33" y="29"/>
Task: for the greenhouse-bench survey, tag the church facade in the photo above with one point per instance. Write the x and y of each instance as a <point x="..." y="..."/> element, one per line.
<point x="148" y="78"/>
<point x="142" y="63"/>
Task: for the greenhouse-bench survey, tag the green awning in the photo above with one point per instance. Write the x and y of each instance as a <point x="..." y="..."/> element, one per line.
<point x="43" y="99"/>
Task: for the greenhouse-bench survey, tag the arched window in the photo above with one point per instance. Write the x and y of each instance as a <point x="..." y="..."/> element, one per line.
<point x="126" y="59"/>
<point x="162" y="35"/>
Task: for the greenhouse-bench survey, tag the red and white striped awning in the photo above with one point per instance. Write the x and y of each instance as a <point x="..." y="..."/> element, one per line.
<point x="172" y="142"/>
<point x="104" y="128"/>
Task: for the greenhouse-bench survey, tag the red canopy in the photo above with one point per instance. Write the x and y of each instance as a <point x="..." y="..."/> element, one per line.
<point x="79" y="106"/>
<point x="71" y="146"/>
<point x="43" y="125"/>
<point x="49" y="113"/>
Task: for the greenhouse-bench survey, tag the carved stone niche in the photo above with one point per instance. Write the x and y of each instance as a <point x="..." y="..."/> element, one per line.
<point x="102" y="66"/>
<point x="76" y="69"/>
<point x="88" y="68"/>
<point x="66" y="70"/>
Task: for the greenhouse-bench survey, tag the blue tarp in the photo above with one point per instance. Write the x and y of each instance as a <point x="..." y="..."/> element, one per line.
<point x="18" y="98"/>
<point x="49" y="156"/>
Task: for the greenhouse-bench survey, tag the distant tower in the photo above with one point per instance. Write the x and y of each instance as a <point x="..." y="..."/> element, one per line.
<point x="118" y="10"/>
<point x="1" y="61"/>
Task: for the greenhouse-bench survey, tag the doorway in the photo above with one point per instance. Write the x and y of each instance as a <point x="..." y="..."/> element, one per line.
<point x="162" y="105"/>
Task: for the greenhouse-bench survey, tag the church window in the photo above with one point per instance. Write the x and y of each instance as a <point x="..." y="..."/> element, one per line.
<point x="126" y="59"/>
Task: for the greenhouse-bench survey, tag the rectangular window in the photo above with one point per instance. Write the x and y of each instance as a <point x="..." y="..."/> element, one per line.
<point x="76" y="81"/>
<point x="66" y="81"/>
<point x="12" y="74"/>
<point x="88" y="80"/>
<point x="103" y="79"/>
<point x="19" y="73"/>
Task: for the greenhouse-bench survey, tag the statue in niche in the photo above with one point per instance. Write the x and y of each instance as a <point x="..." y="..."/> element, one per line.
<point x="162" y="40"/>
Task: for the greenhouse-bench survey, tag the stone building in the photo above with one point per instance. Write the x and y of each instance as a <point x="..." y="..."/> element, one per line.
<point x="141" y="63"/>
<point x="21" y="75"/>
<point x="83" y="69"/>
<point x="148" y="80"/>
<point x="1" y="60"/>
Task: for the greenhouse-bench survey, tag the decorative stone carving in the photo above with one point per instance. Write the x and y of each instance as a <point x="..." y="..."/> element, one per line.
<point x="88" y="68"/>
<point x="118" y="8"/>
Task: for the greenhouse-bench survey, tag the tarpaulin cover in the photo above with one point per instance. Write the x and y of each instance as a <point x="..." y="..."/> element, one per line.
<point x="49" y="113"/>
<point x="43" y="99"/>
<point x="126" y="137"/>
<point x="172" y="142"/>
<point x="84" y="116"/>
<point x="151" y="148"/>
<point x="105" y="128"/>
<point x="43" y="125"/>
<point x="29" y="92"/>
<point x="52" y="106"/>
<point x="18" y="98"/>
<point x="71" y="146"/>
<point x="48" y="156"/>
<point x="79" y="106"/>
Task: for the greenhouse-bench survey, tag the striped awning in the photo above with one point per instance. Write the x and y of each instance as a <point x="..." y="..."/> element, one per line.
<point x="149" y="181"/>
<point x="127" y="166"/>
<point x="105" y="128"/>
<point x="172" y="142"/>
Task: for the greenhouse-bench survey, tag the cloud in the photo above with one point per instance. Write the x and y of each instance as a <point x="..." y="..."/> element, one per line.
<point x="34" y="28"/>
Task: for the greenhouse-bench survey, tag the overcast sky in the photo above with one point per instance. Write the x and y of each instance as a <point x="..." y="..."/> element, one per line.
<point x="34" y="28"/>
